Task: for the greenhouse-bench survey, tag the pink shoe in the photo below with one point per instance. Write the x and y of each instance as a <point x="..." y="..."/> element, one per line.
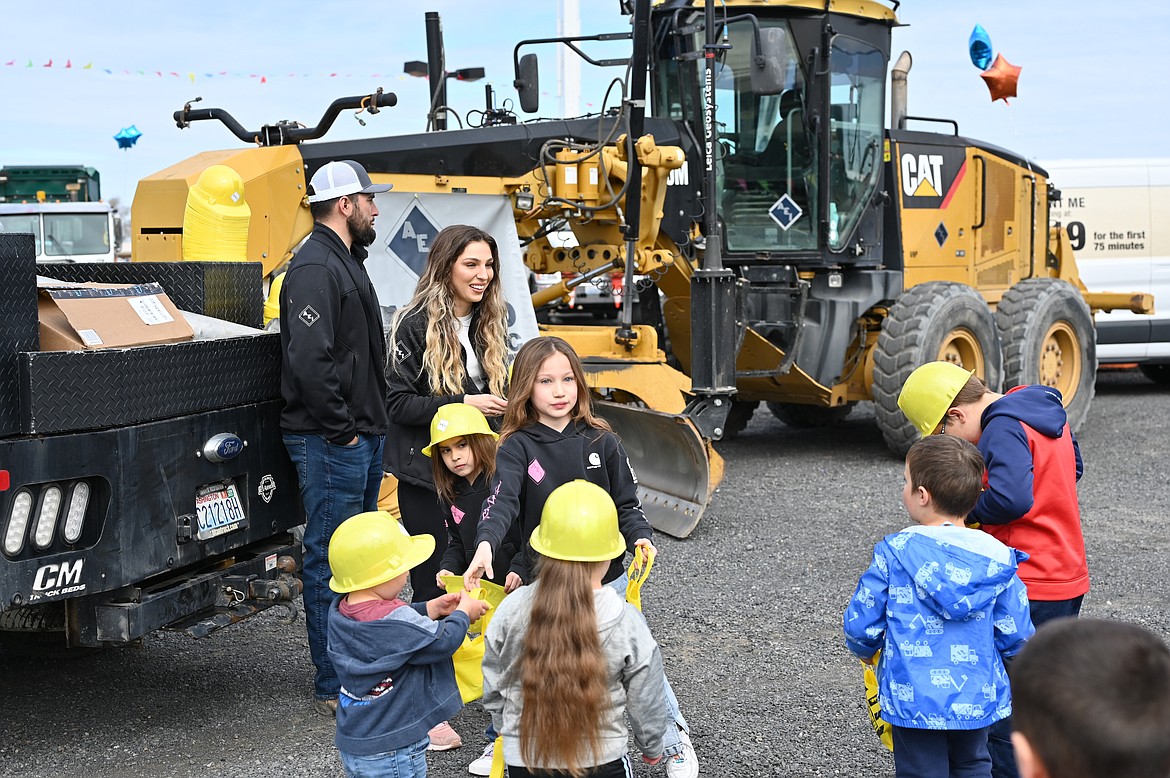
<point x="443" y="738"/>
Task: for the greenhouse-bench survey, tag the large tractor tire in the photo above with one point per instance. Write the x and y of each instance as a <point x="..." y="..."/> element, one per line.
<point x="1049" y="339"/>
<point x="937" y="321"/>
<point x="809" y="416"/>
<point x="738" y="418"/>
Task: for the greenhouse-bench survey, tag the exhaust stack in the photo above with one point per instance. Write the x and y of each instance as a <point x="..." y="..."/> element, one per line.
<point x="898" y="90"/>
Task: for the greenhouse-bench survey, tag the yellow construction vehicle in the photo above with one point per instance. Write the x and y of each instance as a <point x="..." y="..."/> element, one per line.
<point x="783" y="245"/>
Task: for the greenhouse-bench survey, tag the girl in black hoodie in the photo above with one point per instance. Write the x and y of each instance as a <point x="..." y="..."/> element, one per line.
<point x="550" y="437"/>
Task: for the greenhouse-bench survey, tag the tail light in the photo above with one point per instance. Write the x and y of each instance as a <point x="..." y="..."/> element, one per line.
<point x="17" y="527"/>
<point x="47" y="517"/>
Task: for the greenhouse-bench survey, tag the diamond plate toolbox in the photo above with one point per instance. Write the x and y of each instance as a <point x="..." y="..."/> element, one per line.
<point x="44" y="392"/>
<point x="225" y="290"/>
<point x="18" y="321"/>
<point x="77" y="390"/>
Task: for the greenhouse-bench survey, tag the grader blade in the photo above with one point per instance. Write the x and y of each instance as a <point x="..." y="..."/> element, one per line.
<point x="674" y="467"/>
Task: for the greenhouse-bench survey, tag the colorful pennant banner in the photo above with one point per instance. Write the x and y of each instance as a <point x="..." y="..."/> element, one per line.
<point x="263" y="78"/>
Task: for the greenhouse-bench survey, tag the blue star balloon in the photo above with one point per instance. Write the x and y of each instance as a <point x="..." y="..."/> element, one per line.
<point x="127" y="137"/>
<point x="980" y="47"/>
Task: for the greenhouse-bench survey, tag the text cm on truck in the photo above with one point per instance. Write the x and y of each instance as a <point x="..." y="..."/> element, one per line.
<point x="800" y="253"/>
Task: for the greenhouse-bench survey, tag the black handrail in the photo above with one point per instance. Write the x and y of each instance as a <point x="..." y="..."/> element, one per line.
<point x="286" y="132"/>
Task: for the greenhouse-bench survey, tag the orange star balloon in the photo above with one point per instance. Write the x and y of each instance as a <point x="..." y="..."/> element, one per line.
<point x="1002" y="78"/>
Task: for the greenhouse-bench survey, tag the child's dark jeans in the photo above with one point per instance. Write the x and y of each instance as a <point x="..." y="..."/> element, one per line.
<point x="941" y="753"/>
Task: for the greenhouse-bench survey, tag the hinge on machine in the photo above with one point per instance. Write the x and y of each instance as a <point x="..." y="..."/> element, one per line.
<point x="185" y="528"/>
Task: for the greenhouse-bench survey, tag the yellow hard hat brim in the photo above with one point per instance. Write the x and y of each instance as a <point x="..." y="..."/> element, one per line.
<point x="418" y="551"/>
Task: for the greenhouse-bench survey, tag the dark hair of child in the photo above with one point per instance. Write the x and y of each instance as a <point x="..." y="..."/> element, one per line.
<point x="1092" y="698"/>
<point x="950" y="468"/>
<point x="483" y="448"/>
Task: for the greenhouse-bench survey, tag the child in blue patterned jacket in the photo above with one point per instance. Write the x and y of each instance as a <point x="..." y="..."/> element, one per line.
<point x="945" y="606"/>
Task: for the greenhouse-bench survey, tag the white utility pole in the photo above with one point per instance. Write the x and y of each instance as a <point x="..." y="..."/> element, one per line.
<point x="568" y="63"/>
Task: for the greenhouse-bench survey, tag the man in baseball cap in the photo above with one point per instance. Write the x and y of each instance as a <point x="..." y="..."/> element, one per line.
<point x="332" y="380"/>
<point x="340" y="178"/>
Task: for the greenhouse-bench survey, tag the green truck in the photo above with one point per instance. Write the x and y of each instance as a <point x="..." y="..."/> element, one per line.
<point x="61" y="206"/>
<point x="49" y="184"/>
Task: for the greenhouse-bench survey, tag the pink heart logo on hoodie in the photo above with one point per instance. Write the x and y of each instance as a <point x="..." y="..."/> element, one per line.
<point x="535" y="471"/>
<point x="457" y="514"/>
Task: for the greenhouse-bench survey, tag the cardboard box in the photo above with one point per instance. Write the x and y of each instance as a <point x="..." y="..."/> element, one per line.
<point x="80" y="316"/>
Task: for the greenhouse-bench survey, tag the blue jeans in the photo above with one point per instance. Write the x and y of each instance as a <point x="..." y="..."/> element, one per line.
<point x="406" y="762"/>
<point x="1003" y="755"/>
<point x="336" y="482"/>
<point x="940" y="753"/>
<point x="671" y="743"/>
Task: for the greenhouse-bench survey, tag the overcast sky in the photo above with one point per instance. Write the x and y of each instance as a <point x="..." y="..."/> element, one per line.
<point x="1090" y="85"/>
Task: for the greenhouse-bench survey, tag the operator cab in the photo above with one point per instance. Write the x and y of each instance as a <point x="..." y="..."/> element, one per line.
<point x="798" y="171"/>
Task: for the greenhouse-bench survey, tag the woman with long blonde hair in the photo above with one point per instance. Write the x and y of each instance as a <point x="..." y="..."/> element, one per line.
<point x="449" y="344"/>
<point x="566" y="658"/>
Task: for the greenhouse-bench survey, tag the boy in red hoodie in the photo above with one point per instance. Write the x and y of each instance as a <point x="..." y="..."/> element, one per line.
<point x="1030" y="496"/>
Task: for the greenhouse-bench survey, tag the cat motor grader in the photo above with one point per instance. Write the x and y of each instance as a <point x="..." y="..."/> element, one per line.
<point x="783" y="244"/>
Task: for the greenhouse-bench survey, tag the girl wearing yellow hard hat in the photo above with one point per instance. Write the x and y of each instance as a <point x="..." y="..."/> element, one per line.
<point x="463" y="457"/>
<point x="565" y="659"/>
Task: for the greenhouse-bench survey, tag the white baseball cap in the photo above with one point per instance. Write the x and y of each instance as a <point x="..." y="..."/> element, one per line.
<point x="340" y="178"/>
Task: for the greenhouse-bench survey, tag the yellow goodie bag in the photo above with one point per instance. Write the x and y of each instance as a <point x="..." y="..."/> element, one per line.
<point x="638" y="573"/>
<point x="468" y="661"/>
<point x="468" y="658"/>
<point x="874" y="706"/>
<point x="491" y="593"/>
<point x="498" y="759"/>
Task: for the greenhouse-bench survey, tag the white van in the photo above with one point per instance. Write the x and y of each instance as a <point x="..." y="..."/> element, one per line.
<point x="65" y="232"/>
<point x="1117" y="216"/>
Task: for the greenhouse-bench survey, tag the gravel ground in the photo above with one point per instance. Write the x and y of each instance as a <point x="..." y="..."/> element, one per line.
<point x="748" y="612"/>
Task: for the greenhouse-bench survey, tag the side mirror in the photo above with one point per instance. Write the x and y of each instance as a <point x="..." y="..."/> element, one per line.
<point x="527" y="83"/>
<point x="771" y="60"/>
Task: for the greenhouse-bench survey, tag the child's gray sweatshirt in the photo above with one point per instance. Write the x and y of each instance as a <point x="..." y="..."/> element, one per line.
<point x="632" y="658"/>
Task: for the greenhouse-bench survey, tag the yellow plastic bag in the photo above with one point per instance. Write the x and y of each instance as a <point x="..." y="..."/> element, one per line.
<point x="492" y="594"/>
<point x="874" y="706"/>
<point x="638" y="573"/>
<point x="468" y="661"/>
<point x="498" y="759"/>
<point x="468" y="658"/>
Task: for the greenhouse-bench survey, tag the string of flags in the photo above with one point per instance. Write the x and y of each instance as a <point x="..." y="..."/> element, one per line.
<point x="190" y="75"/>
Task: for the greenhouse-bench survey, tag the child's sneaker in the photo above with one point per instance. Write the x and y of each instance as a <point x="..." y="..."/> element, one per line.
<point x="325" y="707"/>
<point x="483" y="765"/>
<point x="443" y="738"/>
<point x="684" y="764"/>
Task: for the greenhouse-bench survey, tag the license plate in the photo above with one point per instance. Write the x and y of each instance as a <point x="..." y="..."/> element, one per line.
<point x="218" y="510"/>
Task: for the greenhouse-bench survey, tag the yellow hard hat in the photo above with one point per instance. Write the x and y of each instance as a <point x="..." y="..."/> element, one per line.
<point x="371" y="548"/>
<point x="454" y="420"/>
<point x="579" y="523"/>
<point x="220" y="185"/>
<point x="272" y="304"/>
<point x="929" y="391"/>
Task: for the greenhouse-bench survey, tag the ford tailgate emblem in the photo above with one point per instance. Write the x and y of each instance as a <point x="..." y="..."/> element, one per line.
<point x="222" y="447"/>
